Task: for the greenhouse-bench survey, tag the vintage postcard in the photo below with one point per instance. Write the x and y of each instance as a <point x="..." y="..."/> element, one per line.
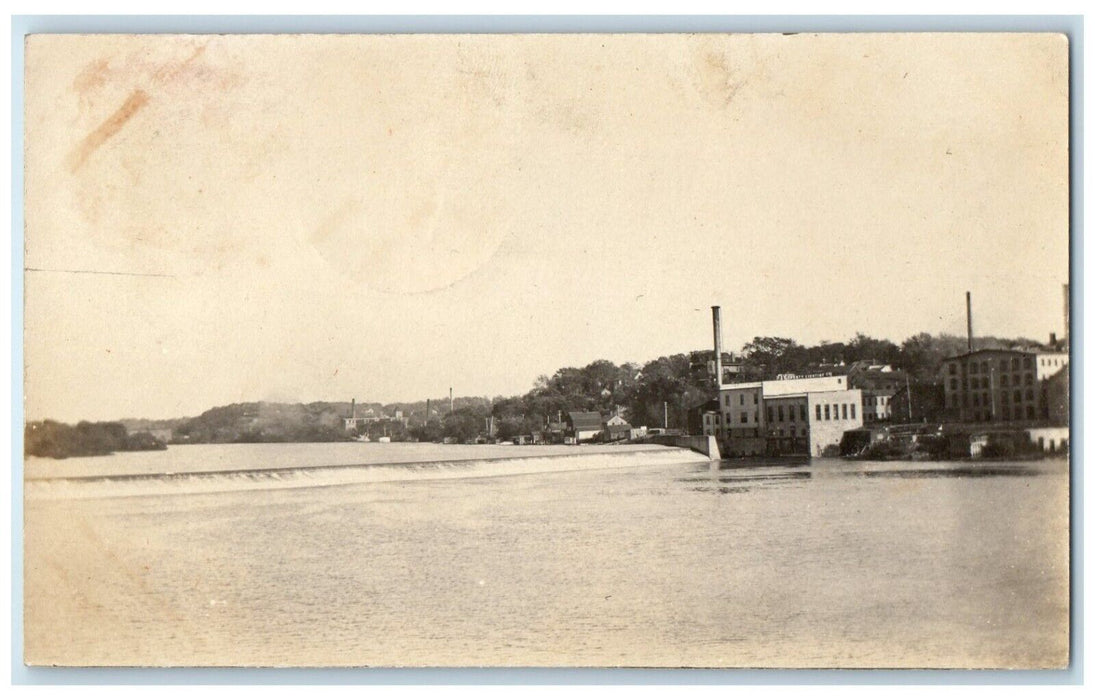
<point x="708" y="350"/>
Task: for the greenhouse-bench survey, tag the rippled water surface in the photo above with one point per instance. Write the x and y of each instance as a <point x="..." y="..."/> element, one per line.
<point x="297" y="556"/>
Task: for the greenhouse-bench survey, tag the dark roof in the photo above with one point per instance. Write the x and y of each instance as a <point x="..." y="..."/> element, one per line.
<point x="585" y="420"/>
<point x="876" y="379"/>
<point x="1018" y="351"/>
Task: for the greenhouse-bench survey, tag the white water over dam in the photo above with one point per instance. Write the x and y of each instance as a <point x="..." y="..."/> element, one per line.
<point x="201" y="468"/>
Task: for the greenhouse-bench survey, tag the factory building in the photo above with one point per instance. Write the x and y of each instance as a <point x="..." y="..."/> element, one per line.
<point x="988" y="386"/>
<point x="787" y="416"/>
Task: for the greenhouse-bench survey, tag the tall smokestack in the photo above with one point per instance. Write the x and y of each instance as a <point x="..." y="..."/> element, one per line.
<point x="450" y="399"/>
<point x="353" y="409"/>
<point x="1066" y="310"/>
<point x="969" y="323"/>
<point x="716" y="320"/>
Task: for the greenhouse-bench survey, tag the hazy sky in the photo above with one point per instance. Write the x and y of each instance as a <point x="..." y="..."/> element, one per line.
<point x="320" y="218"/>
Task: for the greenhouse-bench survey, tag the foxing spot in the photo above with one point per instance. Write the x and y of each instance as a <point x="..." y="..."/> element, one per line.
<point x="106" y="130"/>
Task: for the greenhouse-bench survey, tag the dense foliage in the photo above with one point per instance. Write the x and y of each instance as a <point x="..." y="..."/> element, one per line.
<point x="645" y="395"/>
<point x="52" y="439"/>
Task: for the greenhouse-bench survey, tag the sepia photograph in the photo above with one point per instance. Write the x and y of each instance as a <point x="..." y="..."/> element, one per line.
<point x="633" y="350"/>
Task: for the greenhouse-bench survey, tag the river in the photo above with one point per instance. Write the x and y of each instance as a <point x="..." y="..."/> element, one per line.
<point x="430" y="555"/>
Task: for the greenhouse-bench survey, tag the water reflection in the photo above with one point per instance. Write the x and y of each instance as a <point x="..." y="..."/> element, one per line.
<point x="951" y="472"/>
<point x="736" y="476"/>
<point x="739" y="480"/>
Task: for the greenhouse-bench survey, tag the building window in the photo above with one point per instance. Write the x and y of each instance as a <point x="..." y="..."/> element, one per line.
<point x="953" y="368"/>
<point x="1015" y="363"/>
<point x="853" y="411"/>
<point x="1003" y="380"/>
<point x="1028" y="379"/>
<point x="827" y="414"/>
<point x="779" y="412"/>
<point x="976" y="400"/>
<point x="1030" y="411"/>
<point x="770" y="414"/>
<point x="744" y="417"/>
<point x="844" y="411"/>
<point x="1026" y="363"/>
<point x="1030" y="394"/>
<point x="818" y="407"/>
<point x="1018" y="396"/>
<point x="754" y="398"/>
<point x="1004" y="365"/>
<point x="985" y="367"/>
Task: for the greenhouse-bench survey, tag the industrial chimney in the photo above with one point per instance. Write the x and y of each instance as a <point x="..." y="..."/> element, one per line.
<point x="450" y="399"/>
<point x="716" y="319"/>
<point x="969" y="323"/>
<point x="1066" y="310"/>
<point x="353" y="410"/>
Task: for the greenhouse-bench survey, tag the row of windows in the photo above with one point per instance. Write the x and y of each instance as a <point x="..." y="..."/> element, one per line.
<point x="831" y="412"/>
<point x="983" y="398"/>
<point x="790" y="432"/>
<point x="838" y="411"/>
<point x="741" y="399"/>
<point x="1006" y="413"/>
<point x="776" y="413"/>
<point x="1005" y="364"/>
<point x="984" y="383"/>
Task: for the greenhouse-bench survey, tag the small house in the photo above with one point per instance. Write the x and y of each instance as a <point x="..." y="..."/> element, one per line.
<point x="583" y="426"/>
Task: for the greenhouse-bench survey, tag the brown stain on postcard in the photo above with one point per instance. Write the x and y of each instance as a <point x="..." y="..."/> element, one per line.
<point x="105" y="131"/>
<point x="94" y="75"/>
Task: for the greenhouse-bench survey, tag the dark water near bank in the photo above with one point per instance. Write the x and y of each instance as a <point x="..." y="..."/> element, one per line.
<point x="642" y="558"/>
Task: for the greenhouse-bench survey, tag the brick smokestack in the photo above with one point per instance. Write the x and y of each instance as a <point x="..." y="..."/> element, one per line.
<point x="969" y="322"/>
<point x="1066" y="309"/>
<point x="716" y="320"/>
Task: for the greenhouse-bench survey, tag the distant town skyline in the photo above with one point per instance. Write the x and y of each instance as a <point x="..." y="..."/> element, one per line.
<point x="221" y="219"/>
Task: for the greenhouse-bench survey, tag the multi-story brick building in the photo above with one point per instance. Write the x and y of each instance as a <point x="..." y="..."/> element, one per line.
<point x="986" y="386"/>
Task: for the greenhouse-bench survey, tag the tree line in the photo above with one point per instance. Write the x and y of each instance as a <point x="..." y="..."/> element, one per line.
<point x="643" y="394"/>
<point x="59" y="440"/>
<point x="671" y="386"/>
